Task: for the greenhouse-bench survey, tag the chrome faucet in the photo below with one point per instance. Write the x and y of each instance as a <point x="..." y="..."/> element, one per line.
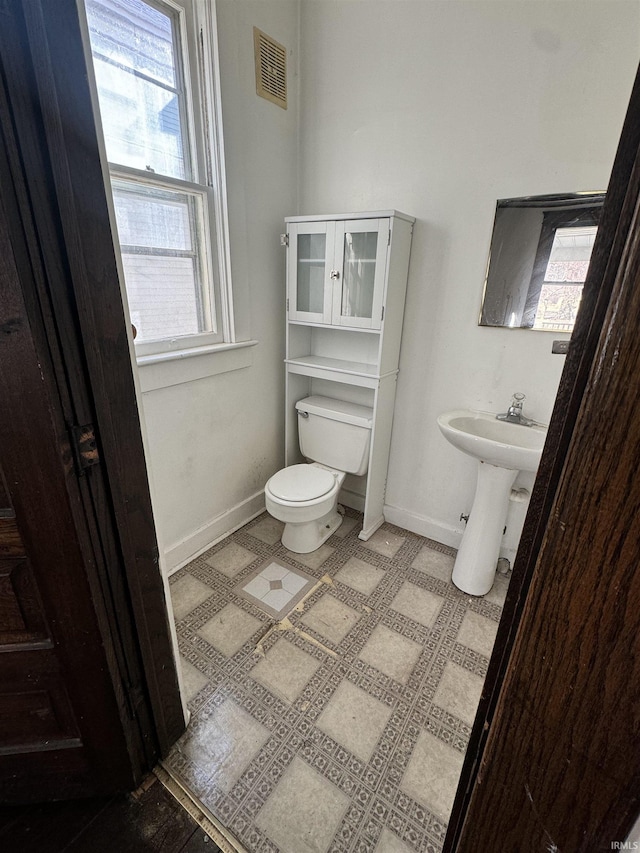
<point x="514" y="413"/>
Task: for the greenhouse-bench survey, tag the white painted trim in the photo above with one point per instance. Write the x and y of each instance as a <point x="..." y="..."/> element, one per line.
<point x="180" y="553"/>
<point x="188" y="365"/>
<point x="445" y="534"/>
<point x="207" y="23"/>
<point x="371" y="529"/>
<point x="370" y="214"/>
<point x="440" y="532"/>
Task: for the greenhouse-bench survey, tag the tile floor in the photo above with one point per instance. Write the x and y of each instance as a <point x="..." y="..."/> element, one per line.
<point x="342" y="728"/>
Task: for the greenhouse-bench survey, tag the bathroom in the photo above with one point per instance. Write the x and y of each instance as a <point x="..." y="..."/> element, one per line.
<point x="437" y="109"/>
<point x="444" y="139"/>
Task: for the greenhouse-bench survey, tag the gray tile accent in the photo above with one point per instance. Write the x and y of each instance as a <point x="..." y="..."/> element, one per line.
<point x="281" y="598"/>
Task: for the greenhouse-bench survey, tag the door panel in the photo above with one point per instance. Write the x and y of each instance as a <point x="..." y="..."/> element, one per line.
<point x="57" y="698"/>
<point x="22" y="618"/>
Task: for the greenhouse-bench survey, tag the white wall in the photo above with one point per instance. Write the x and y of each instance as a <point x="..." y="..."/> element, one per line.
<point x="438" y="109"/>
<point x="214" y="442"/>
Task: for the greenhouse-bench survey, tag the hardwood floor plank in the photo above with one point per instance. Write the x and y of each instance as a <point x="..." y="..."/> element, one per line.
<point x="152" y="822"/>
<point x="49" y="827"/>
<point x="155" y="822"/>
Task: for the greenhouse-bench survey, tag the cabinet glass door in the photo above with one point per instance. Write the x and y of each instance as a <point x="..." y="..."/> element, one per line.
<point x="309" y="283"/>
<point x="358" y="300"/>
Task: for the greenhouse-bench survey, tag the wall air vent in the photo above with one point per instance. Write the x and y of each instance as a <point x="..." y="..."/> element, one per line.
<point x="271" y="68"/>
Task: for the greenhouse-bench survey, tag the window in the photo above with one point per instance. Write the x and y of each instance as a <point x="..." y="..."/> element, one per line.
<point x="560" y="269"/>
<point x="149" y="92"/>
<point x="564" y="278"/>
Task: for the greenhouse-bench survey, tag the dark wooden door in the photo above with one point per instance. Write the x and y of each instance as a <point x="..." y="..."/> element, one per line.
<point x="88" y="687"/>
<point x="60" y="728"/>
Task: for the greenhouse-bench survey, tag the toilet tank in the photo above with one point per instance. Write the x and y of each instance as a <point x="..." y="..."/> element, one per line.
<point x="335" y="433"/>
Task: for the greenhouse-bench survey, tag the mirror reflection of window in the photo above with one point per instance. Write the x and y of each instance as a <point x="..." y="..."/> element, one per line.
<point x="539" y="257"/>
<point x="564" y="278"/>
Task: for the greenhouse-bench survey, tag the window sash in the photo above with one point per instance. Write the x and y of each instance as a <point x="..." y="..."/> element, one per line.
<point x="194" y="124"/>
<point x="201" y="251"/>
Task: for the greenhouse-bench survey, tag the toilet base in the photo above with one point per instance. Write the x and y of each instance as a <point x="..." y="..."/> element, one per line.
<point x="308" y="536"/>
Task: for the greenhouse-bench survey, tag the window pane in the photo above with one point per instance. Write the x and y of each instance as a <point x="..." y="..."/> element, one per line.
<point x="135" y="35"/>
<point x="135" y="66"/>
<point x="570" y="254"/>
<point x="154" y="218"/>
<point x="162" y="257"/>
<point x="566" y="272"/>
<point x="163" y="296"/>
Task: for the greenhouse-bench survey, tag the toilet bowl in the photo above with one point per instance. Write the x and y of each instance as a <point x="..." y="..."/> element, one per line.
<point x="305" y="497"/>
<point x="335" y="436"/>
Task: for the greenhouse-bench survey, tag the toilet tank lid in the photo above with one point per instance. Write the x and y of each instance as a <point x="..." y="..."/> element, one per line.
<point x="337" y="410"/>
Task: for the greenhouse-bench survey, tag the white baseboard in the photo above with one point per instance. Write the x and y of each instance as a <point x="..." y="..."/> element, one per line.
<point x="179" y="554"/>
<point x="440" y="532"/>
<point x="423" y="526"/>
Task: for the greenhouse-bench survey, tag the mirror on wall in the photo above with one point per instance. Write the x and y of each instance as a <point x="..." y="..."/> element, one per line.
<point x="540" y="252"/>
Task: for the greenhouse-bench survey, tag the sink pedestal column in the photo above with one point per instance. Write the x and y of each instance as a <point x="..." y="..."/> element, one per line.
<point x="475" y="567"/>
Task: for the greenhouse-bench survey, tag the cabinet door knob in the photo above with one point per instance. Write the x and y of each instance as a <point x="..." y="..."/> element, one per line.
<point x="335" y="274"/>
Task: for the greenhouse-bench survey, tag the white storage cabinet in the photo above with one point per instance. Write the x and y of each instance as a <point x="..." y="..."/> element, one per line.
<point x="346" y="285"/>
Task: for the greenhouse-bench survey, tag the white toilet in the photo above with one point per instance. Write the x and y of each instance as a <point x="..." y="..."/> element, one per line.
<point x="336" y="436"/>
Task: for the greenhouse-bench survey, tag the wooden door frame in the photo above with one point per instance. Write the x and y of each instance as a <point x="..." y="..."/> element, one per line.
<point x="61" y="233"/>
<point x="485" y="768"/>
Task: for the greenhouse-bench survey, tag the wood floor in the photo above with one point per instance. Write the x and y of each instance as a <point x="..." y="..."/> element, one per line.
<point x="145" y="822"/>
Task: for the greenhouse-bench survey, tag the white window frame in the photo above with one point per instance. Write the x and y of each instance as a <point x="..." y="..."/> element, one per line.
<point x="201" y="121"/>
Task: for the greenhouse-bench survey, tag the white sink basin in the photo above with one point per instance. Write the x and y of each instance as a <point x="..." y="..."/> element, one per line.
<point x="500" y="443"/>
<point x="502" y="449"/>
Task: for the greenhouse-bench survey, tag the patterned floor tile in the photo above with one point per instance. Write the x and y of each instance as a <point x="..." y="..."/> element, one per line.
<point x="186" y="594"/>
<point x="346" y="527"/>
<point x="344" y="729"/>
<point x="432" y="774"/>
<point x="360" y="576"/>
<point x="229" y="629"/>
<point x="316" y="558"/>
<point x="285" y="670"/>
<point x="303" y="812"/>
<point x="418" y="604"/>
<point x="354" y="719"/>
<point x="331" y="618"/>
<point x="222" y="745"/>
<point x="268" y="530"/>
<point x="391" y="653"/>
<point x="390" y="843"/>
<point x="477" y="633"/>
<point x="192" y="679"/>
<point x="434" y="563"/>
<point x="230" y="560"/>
<point x="384" y="542"/>
<point x="459" y="692"/>
<point x="498" y="591"/>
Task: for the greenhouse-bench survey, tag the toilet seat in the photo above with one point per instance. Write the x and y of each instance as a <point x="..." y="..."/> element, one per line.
<point x="301" y="483"/>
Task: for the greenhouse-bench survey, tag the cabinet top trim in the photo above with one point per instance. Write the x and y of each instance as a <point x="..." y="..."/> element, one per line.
<point x="370" y="214"/>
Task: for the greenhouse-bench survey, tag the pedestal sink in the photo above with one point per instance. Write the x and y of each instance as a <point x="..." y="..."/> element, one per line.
<point x="502" y="449"/>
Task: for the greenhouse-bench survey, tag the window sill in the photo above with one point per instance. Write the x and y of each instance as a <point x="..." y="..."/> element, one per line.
<point x="164" y="369"/>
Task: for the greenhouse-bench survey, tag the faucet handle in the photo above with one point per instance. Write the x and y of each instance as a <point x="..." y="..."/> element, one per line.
<point x="518" y="397"/>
